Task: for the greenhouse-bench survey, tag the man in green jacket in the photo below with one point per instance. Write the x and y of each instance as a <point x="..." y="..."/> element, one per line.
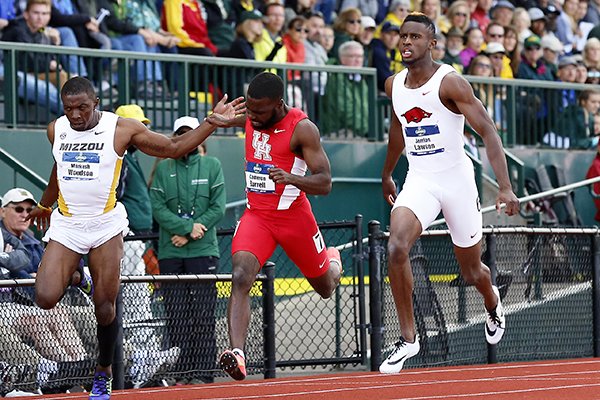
<point x="345" y="105"/>
<point x="188" y="201"/>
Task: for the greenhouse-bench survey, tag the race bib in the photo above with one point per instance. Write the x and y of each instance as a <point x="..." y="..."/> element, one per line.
<point x="257" y="178"/>
<point x="80" y="166"/>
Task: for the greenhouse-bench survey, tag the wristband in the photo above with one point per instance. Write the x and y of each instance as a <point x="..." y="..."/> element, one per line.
<point x="44" y="208"/>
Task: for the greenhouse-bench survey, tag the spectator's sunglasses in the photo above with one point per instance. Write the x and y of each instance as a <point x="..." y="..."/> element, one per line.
<point x="20" y="209"/>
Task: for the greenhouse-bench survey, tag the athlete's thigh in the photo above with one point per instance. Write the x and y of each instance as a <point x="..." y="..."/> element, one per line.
<point x="302" y="241"/>
<point x="462" y="211"/>
<point x="55" y="270"/>
<point x="254" y="235"/>
<point x="105" y="267"/>
<point x="420" y="196"/>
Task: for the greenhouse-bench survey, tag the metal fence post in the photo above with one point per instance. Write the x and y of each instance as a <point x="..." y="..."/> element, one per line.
<point x="118" y="365"/>
<point x="596" y="292"/>
<point x="492" y="350"/>
<point x="375" y="290"/>
<point x="269" y="319"/>
<point x="360" y="273"/>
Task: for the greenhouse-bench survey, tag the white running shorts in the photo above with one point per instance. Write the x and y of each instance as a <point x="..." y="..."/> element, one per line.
<point x="454" y="193"/>
<point x="83" y="234"/>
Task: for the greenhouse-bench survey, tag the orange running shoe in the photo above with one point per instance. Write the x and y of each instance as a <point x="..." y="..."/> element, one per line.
<point x="234" y="364"/>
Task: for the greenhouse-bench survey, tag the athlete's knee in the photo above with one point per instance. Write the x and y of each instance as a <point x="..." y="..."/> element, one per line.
<point x="398" y="251"/>
<point x="45" y="302"/>
<point x="105" y="312"/>
<point x="242" y="280"/>
<point x="326" y="286"/>
<point x="45" y="299"/>
<point x="327" y="291"/>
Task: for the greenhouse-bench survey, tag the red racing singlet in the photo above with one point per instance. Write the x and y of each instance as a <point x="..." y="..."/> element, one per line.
<point x="270" y="148"/>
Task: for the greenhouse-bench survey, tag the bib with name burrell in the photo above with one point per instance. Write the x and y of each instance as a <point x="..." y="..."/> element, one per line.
<point x="87" y="167"/>
<point x="268" y="148"/>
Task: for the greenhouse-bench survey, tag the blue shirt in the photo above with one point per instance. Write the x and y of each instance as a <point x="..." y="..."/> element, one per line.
<point x="7" y="9"/>
<point x="34" y="251"/>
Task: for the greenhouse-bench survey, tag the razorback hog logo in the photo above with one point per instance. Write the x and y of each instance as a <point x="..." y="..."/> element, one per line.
<point x="416" y="114"/>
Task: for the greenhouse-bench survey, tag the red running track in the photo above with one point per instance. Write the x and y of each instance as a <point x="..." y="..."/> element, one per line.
<point x="546" y="380"/>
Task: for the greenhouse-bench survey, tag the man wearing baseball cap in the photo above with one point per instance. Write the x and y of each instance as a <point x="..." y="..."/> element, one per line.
<point x="14" y="258"/>
<point x="531" y="66"/>
<point x="188" y="201"/>
<point x="454" y="44"/>
<point x="17" y="203"/>
<point x="386" y="57"/>
<point x="496" y="52"/>
<point x="552" y="49"/>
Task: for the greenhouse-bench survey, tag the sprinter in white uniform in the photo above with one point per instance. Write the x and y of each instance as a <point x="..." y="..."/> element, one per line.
<point x="430" y="103"/>
<point x="88" y="147"/>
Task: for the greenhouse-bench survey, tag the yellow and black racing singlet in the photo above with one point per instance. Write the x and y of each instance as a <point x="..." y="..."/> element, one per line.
<point x="88" y="167"/>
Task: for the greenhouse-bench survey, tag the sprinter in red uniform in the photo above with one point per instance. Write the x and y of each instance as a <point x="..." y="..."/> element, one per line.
<point x="281" y="145"/>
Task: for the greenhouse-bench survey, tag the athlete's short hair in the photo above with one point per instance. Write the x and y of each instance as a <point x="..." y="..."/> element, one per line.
<point x="266" y="85"/>
<point x="78" y="85"/>
<point x="421" y="19"/>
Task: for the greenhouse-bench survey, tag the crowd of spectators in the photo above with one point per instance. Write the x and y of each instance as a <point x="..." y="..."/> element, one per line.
<point x="524" y="39"/>
<point x="544" y="40"/>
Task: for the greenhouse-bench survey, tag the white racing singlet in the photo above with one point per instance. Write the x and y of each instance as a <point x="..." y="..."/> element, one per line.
<point x="433" y="134"/>
<point x="88" y="167"/>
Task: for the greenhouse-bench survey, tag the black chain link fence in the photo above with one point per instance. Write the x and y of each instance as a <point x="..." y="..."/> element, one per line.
<point x="545" y="279"/>
<point x="174" y="327"/>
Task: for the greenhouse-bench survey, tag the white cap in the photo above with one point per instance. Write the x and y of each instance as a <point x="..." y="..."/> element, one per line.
<point x="536" y="14"/>
<point x="17" y="195"/>
<point x="367" y="22"/>
<point x="494" y="47"/>
<point x="191" y="122"/>
<point x="551" y="42"/>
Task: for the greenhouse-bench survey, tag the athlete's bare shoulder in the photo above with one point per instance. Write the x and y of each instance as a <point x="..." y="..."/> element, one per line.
<point x="50" y="131"/>
<point x="305" y="130"/>
<point x="389" y="82"/>
<point x="454" y="86"/>
<point x="126" y="131"/>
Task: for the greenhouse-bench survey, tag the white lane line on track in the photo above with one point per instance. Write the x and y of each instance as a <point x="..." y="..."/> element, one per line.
<point x="428" y="397"/>
<point x="313" y="379"/>
<point x="496" y="393"/>
<point x="373" y="375"/>
<point x="369" y="386"/>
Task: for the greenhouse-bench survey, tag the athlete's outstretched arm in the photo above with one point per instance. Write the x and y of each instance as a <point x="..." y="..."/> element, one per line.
<point x="132" y="132"/>
<point x="306" y="143"/>
<point x="457" y="93"/>
<point x="394" y="150"/>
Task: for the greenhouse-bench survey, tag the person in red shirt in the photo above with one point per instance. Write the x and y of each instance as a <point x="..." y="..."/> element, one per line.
<point x="184" y="19"/>
<point x="281" y="145"/>
<point x="293" y="40"/>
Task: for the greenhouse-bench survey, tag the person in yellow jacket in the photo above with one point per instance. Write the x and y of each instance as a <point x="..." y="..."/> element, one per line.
<point x="270" y="47"/>
<point x="497" y="54"/>
<point x="398" y="10"/>
<point x="495" y="34"/>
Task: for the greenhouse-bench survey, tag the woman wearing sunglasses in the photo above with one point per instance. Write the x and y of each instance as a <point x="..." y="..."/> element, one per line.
<point x="346" y="27"/>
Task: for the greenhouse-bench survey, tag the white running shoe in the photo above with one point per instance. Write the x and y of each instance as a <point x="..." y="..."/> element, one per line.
<point x="495" y="322"/>
<point x="146" y="363"/>
<point x="403" y="351"/>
